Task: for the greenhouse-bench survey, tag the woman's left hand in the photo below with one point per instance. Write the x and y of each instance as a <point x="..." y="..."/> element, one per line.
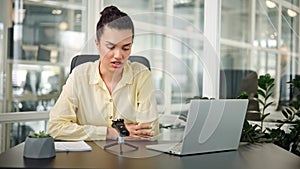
<point x="140" y="132"/>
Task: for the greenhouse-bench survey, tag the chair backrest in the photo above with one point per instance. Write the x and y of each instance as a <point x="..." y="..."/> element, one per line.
<point x="233" y="82"/>
<point x="79" y="59"/>
<point x="287" y="93"/>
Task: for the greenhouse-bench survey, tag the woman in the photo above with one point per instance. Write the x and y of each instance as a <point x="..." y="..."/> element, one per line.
<point x="108" y="89"/>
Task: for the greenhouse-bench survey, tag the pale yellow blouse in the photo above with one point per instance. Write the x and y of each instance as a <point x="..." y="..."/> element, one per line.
<point x="85" y="107"/>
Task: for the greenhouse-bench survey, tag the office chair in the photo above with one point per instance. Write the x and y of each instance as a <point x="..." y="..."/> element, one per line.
<point x="79" y="59"/>
<point x="233" y="82"/>
<point x="287" y="93"/>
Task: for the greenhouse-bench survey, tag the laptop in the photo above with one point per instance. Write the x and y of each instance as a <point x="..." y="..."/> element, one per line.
<point x="212" y="126"/>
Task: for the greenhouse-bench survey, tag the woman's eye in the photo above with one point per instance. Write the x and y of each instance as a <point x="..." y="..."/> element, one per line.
<point x="126" y="48"/>
<point x="110" y="47"/>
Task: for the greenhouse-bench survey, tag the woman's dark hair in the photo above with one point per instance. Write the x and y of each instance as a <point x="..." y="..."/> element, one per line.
<point x="113" y="18"/>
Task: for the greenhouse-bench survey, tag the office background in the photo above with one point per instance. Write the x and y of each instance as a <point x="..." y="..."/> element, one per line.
<point x="187" y="42"/>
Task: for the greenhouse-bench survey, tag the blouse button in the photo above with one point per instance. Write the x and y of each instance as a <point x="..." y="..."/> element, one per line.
<point x="110" y="117"/>
<point x="110" y="100"/>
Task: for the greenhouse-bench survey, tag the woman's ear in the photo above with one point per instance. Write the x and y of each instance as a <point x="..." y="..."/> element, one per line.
<point x="97" y="43"/>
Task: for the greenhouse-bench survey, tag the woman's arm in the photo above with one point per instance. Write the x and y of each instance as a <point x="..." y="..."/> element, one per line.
<point x="147" y="116"/>
<point x="63" y="121"/>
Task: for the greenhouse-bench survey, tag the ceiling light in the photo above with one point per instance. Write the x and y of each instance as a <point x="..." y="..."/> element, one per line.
<point x="291" y="13"/>
<point x="270" y="4"/>
<point x="56" y="11"/>
<point x="63" y="26"/>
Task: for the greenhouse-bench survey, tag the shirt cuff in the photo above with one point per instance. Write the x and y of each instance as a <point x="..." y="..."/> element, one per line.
<point x="96" y="132"/>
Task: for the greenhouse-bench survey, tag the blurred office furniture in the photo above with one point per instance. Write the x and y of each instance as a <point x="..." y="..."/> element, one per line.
<point x="19" y="133"/>
<point x="43" y="54"/>
<point x="34" y="82"/>
<point x="235" y="81"/>
<point x="31" y="86"/>
<point x="79" y="59"/>
<point x="287" y="92"/>
<point x="47" y="53"/>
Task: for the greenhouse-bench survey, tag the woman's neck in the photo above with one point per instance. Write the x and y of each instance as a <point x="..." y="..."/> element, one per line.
<point x="111" y="79"/>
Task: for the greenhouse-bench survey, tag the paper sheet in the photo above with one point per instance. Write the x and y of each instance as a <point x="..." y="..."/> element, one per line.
<point x="72" y="146"/>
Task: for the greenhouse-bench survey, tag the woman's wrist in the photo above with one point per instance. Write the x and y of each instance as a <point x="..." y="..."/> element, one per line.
<point x="111" y="134"/>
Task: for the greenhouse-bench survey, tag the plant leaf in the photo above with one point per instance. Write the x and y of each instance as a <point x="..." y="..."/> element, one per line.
<point x="289" y="111"/>
<point x="259" y="100"/>
<point x="284" y="113"/>
<point x="264" y="116"/>
<point x="261" y="92"/>
<point x="271" y="82"/>
<point x="270" y="94"/>
<point x="271" y="85"/>
<point x="266" y="106"/>
<point x="243" y="95"/>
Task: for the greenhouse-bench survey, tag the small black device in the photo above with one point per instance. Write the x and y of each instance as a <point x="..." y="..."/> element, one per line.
<point x="120" y="126"/>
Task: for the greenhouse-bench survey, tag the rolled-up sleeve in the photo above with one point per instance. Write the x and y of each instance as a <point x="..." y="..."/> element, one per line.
<point x="63" y="124"/>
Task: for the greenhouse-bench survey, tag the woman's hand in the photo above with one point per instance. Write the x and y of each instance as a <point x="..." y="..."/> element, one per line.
<point x="111" y="134"/>
<point x="139" y="132"/>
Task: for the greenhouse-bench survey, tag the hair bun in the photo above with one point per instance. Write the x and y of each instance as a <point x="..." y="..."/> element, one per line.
<point x="110" y="9"/>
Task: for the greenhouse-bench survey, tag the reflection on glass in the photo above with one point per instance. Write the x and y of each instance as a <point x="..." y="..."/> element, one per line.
<point x="172" y="43"/>
<point x="45" y="26"/>
<point x="190" y="11"/>
<point x="186" y="68"/>
<point x="181" y="65"/>
<point x="289" y="64"/>
<point x="266" y="25"/>
<point x="235" y="22"/>
<point x="235" y="58"/>
<point x="46" y="36"/>
<point x="32" y="79"/>
<point x="290" y="31"/>
<point x="264" y="62"/>
<point x="32" y="83"/>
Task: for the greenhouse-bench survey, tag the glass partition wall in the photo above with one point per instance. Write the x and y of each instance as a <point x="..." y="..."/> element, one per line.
<point x="45" y="36"/>
<point x="264" y="39"/>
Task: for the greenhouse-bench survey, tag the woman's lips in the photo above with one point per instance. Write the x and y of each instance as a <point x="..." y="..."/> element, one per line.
<point x="116" y="64"/>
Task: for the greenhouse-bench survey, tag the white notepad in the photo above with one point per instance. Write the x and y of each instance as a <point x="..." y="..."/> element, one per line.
<point x="72" y="146"/>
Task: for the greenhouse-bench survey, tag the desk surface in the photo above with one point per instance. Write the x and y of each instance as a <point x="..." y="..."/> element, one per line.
<point x="248" y="156"/>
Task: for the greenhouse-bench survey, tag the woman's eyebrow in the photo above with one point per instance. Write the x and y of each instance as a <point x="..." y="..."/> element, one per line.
<point x="128" y="44"/>
<point x="110" y="43"/>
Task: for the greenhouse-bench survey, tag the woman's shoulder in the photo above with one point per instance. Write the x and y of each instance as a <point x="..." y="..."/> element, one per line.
<point x="85" y="68"/>
<point x="137" y="67"/>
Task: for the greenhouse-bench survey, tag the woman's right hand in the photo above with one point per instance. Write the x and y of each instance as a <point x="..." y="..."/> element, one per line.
<point x="112" y="134"/>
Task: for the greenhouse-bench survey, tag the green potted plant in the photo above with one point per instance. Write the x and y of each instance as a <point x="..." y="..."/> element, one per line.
<point x="39" y="145"/>
<point x="288" y="139"/>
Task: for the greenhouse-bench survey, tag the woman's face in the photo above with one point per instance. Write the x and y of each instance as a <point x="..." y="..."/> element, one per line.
<point x="114" y="47"/>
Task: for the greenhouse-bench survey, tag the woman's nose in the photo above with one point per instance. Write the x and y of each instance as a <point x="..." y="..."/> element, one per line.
<point x="117" y="54"/>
